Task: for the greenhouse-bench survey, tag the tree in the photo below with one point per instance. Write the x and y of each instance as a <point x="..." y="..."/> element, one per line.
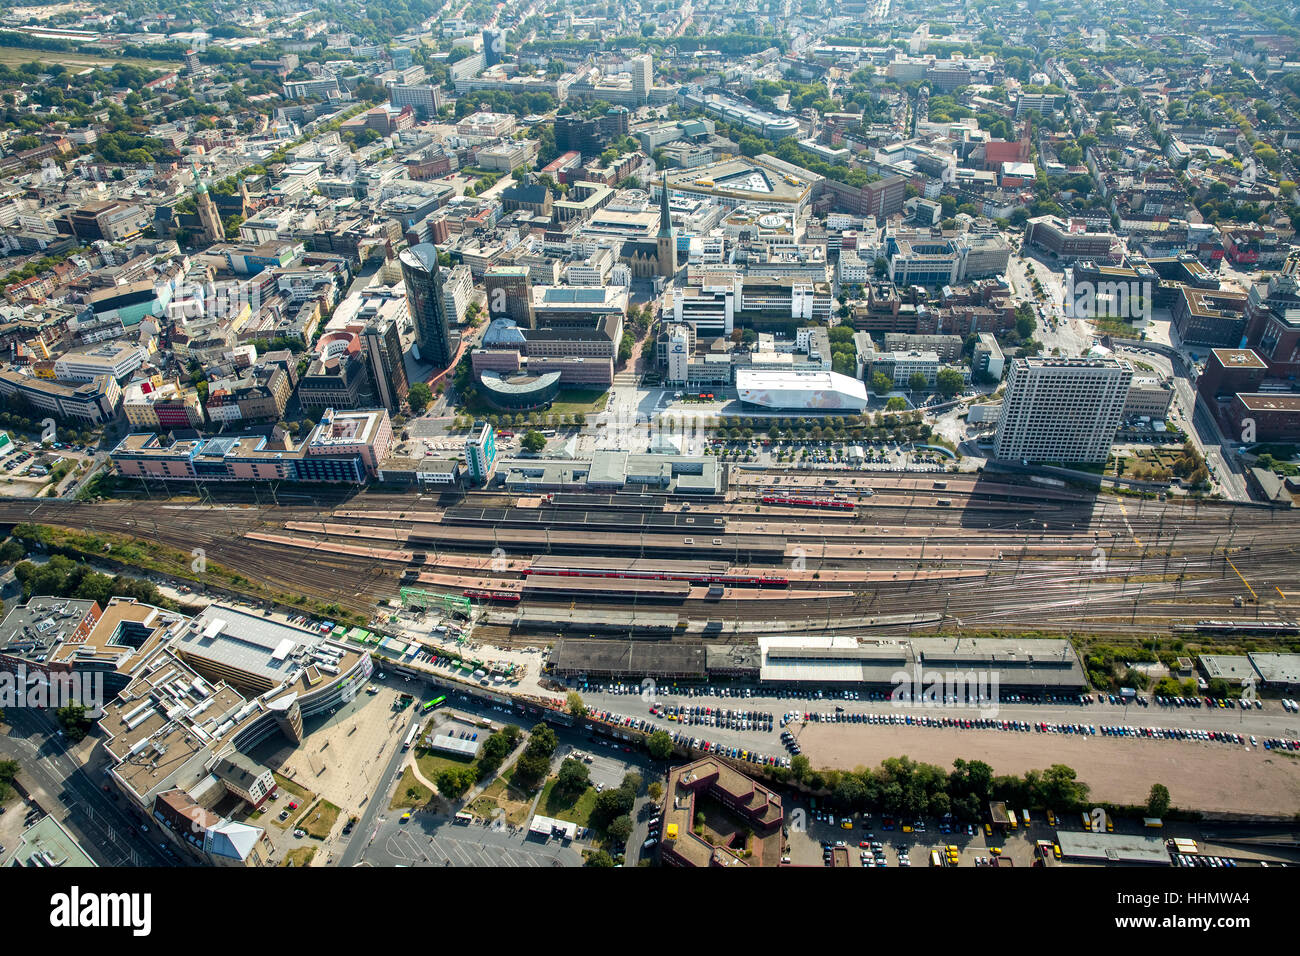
<point x="1158" y="800"/>
<point x="896" y="404"/>
<point x="73" y="720"/>
<point x="455" y="781"/>
<point x="631" y="782"/>
<point x="799" y="767"/>
<point x="542" y="739"/>
<point x="660" y="745"/>
<point x="916" y="381"/>
<point x="573" y="777"/>
<point x="881" y="383"/>
<point x="625" y="346"/>
<point x="600" y="858"/>
<point x="655" y="790"/>
<point x="619" y="829"/>
<point x="419" y="396"/>
<point x="534" y="441"/>
<point x="949" y="382"/>
<point x="531" y="769"/>
<point x="576" y="706"/>
<point x="613" y="803"/>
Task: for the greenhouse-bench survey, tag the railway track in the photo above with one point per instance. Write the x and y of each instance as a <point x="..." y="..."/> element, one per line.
<point x="1162" y="562"/>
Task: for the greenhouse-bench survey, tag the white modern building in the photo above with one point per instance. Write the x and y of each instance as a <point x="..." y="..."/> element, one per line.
<point x="790" y="390"/>
<point x="1062" y="410"/>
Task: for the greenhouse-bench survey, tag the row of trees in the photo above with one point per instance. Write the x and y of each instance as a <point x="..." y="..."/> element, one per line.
<point x="535" y="762"/>
<point x="62" y="577"/>
<point x="904" y="786"/>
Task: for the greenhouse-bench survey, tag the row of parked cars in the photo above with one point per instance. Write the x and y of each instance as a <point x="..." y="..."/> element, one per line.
<point x="16" y="459"/>
<point x="717" y="717"/>
<point x="738" y="753"/>
<point x="1211" y="862"/>
<point x="1221" y="702"/>
<point x="621" y="720"/>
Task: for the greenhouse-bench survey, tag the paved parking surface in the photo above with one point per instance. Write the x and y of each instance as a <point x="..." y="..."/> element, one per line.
<point x="434" y="840"/>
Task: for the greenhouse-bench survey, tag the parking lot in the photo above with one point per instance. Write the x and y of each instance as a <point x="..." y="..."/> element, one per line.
<point x="434" y="839"/>
<point x="881" y="841"/>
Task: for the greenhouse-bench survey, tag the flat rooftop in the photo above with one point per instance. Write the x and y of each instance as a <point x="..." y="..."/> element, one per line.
<point x="1269" y="401"/>
<point x="1239" y="358"/>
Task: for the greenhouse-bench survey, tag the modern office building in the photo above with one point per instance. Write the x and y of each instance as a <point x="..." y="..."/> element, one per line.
<point x="759" y="807"/>
<point x="510" y="294"/>
<point x="426" y="303"/>
<point x="1214" y="317"/>
<point x="1062" y="410"/>
<point x="426" y="100"/>
<point x="381" y="343"/>
<point x="801" y="391"/>
<point x="1068" y="241"/>
<point x="481" y="452"/>
<point x="1229" y="371"/>
<point x="987" y="358"/>
<point x="494" y="44"/>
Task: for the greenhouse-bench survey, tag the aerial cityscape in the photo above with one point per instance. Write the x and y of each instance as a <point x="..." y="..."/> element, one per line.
<point x="668" y="433"/>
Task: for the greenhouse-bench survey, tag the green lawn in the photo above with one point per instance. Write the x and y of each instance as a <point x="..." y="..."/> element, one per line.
<point x="402" y="798"/>
<point x="433" y="764"/>
<point x="562" y="807"/>
<point x="570" y="401"/>
<point x="319" y="820"/>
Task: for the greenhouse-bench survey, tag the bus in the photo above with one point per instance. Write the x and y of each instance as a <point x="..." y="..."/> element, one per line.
<point x="935" y="859"/>
<point x="410" y="738"/>
<point x="463" y="817"/>
<point x="1011" y="820"/>
<point x="1024" y="815"/>
<point x="434" y="702"/>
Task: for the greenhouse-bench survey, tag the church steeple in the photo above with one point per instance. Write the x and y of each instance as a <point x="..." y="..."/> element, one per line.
<point x="665" y="220"/>
<point x="665" y="244"/>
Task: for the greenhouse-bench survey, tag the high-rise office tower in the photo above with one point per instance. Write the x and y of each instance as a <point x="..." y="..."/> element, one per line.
<point x="510" y="294"/>
<point x="382" y="344"/>
<point x="642" y="77"/>
<point x="1064" y="410"/>
<point x="425" y="302"/>
<point x="494" y="44"/>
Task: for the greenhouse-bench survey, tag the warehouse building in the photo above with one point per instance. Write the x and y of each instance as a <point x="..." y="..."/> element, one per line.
<point x="1112" y="848"/>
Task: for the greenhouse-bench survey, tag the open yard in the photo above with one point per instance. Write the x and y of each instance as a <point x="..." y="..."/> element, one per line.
<point x="14" y="57"/>
<point x="319" y="819"/>
<point x="1200" y="776"/>
<point x="569" y="401"/>
<point x="502" y="794"/>
<point x="564" y="807"/>
<point x="410" y="793"/>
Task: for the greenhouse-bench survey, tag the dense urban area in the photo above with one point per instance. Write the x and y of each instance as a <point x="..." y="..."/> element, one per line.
<point x="585" y="434"/>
